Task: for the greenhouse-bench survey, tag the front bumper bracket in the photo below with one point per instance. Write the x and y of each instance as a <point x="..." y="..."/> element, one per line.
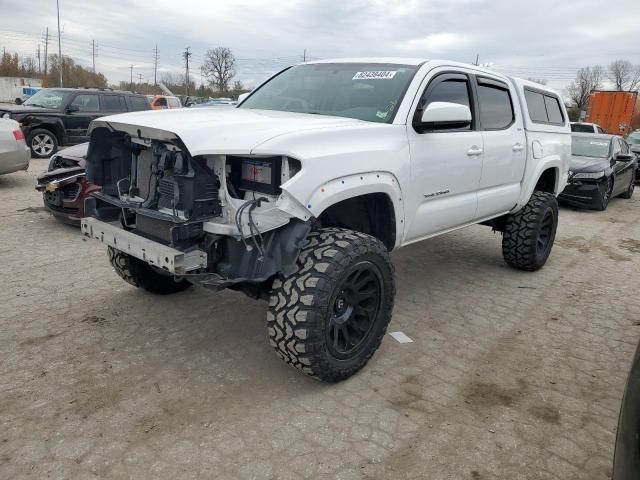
<point x="154" y="253"/>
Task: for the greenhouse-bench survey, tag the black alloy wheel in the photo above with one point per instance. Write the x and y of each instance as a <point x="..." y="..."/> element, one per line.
<point x="356" y="302"/>
<point x="606" y="194"/>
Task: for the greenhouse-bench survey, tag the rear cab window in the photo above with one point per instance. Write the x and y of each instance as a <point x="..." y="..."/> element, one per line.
<point x="544" y="107"/>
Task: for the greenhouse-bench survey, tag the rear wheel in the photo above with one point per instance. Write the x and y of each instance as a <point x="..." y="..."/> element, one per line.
<point x="42" y="143"/>
<point x="529" y="234"/>
<point x="328" y="318"/>
<point x="141" y="274"/>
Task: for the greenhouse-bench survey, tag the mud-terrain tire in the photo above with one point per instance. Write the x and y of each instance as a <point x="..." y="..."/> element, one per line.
<point x="328" y="318"/>
<point x="529" y="234"/>
<point x="142" y="275"/>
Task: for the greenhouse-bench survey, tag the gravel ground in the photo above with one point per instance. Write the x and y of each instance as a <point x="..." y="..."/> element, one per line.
<point x="511" y="375"/>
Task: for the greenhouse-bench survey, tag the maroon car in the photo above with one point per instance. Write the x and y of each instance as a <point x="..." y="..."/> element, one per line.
<point x="64" y="186"/>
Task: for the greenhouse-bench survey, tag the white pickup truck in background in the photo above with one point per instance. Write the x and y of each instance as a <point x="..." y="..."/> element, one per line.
<point x="299" y="193"/>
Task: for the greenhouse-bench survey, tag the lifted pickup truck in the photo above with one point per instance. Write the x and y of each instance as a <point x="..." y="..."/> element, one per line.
<point x="299" y="194"/>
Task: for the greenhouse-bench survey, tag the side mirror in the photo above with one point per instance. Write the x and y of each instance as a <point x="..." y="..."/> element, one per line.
<point x="72" y="108"/>
<point x="242" y="96"/>
<point x="623" y="157"/>
<point x="442" y="115"/>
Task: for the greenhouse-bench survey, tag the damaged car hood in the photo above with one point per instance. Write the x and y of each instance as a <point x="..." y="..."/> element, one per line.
<point x="219" y="130"/>
<point x="588" y="164"/>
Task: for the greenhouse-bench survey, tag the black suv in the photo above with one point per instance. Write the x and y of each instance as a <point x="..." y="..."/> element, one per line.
<point x="61" y="116"/>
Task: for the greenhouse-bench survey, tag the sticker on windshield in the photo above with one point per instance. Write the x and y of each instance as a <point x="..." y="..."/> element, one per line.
<point x="377" y="75"/>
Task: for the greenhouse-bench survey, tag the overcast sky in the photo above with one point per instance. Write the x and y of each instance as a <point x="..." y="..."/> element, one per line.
<point x="548" y="39"/>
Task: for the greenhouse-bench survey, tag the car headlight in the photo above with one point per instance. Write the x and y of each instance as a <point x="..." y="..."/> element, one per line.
<point x="6" y="115"/>
<point x="52" y="162"/>
<point x="592" y="176"/>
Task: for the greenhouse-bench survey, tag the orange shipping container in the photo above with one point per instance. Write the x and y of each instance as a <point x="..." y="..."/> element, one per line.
<point x="616" y="112"/>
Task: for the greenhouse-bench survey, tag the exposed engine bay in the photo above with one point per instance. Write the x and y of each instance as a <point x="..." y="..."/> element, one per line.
<point x="219" y="212"/>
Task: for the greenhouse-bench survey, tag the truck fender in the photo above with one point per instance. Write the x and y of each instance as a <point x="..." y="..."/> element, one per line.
<point x="343" y="188"/>
<point x="543" y="164"/>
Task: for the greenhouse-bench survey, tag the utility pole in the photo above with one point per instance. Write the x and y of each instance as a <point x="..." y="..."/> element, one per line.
<point x="38" y="55"/>
<point x="59" y="41"/>
<point x="46" y="55"/>
<point x="155" y="65"/>
<point x="477" y="59"/>
<point x="187" y="55"/>
<point x="93" y="54"/>
<point x="131" y="81"/>
<point x="304" y="55"/>
<point x="140" y="77"/>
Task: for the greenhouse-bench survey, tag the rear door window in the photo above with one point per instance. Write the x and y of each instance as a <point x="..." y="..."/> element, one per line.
<point x="111" y="104"/>
<point x="137" y="103"/>
<point x="496" y="110"/>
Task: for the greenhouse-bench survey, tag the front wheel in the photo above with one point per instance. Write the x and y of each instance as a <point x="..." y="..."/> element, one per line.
<point x="605" y="196"/>
<point x="529" y="234"/>
<point x="629" y="192"/>
<point x="328" y="318"/>
<point x="42" y="143"/>
<point x="141" y="274"/>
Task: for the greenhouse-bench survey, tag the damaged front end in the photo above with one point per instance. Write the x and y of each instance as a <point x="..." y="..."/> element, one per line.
<point x="215" y="220"/>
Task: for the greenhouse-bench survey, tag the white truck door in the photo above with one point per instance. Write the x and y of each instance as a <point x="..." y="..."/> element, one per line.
<point x="500" y="119"/>
<point x="446" y="161"/>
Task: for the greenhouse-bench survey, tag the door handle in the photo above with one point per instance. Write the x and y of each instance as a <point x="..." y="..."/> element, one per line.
<point x="518" y="147"/>
<point x="475" y="150"/>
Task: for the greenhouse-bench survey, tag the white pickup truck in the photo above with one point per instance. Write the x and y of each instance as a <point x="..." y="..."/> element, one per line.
<point x="299" y="193"/>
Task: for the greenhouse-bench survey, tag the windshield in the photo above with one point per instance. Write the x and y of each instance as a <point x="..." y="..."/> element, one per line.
<point x="633" y="139"/>
<point x="590" y="147"/>
<point x="48" y="98"/>
<point x="370" y="92"/>
<point x="582" y="128"/>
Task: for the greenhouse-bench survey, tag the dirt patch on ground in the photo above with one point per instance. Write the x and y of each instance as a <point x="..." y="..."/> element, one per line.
<point x="630" y="244"/>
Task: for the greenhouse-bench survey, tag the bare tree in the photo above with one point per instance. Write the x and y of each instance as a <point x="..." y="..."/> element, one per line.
<point x="587" y="79"/>
<point x="624" y="75"/>
<point x="219" y="67"/>
<point x="541" y="81"/>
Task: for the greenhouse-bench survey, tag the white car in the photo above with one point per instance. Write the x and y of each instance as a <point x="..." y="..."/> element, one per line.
<point x="14" y="153"/>
<point x="298" y="194"/>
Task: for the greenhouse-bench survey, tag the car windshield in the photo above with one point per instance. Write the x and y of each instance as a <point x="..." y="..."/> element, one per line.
<point x="47" y="98"/>
<point x="363" y="91"/>
<point x="582" y="128"/>
<point x="633" y="139"/>
<point x="590" y="147"/>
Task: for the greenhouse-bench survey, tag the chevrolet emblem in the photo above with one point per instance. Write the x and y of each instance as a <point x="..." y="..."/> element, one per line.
<point x="51" y="187"/>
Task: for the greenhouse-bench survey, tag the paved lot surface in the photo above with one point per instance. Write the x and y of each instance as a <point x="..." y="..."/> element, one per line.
<point x="511" y="375"/>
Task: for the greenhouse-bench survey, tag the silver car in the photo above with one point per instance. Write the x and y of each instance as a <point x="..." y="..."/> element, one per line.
<point x="14" y="153"/>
